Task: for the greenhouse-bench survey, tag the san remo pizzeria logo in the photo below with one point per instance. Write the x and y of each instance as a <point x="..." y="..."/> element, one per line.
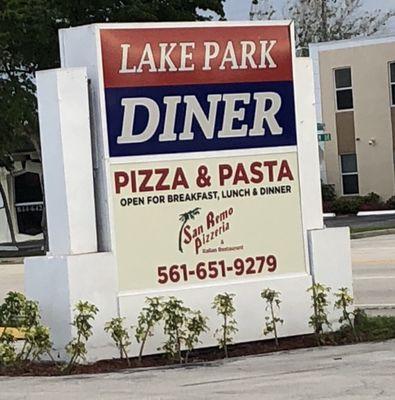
<point x="213" y="227"/>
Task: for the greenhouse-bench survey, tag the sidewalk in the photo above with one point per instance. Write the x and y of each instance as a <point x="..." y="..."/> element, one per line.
<point x="359" y="372"/>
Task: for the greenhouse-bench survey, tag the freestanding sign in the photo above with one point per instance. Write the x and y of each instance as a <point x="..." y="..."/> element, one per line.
<point x="206" y="173"/>
<point x="176" y="90"/>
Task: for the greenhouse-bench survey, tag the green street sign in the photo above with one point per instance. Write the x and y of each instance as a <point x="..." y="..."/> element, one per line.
<point x="324" y="137"/>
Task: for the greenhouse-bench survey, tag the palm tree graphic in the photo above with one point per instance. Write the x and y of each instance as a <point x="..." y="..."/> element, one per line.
<point x="184" y="218"/>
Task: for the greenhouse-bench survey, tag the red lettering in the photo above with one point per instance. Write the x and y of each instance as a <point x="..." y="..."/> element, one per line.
<point x="121" y="180"/>
<point x="270" y="165"/>
<point x="285" y="172"/>
<point x="163" y="172"/>
<point x="198" y="245"/>
<point x="210" y="220"/>
<point x="225" y="172"/>
<point x="147" y="174"/>
<point x="180" y="179"/>
<point x="187" y="234"/>
<point x="257" y="174"/>
<point x="240" y="175"/>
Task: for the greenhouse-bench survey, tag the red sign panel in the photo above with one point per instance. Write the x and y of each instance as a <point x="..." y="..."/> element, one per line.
<point x="180" y="56"/>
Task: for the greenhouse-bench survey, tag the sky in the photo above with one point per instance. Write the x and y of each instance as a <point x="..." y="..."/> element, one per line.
<point x="239" y="9"/>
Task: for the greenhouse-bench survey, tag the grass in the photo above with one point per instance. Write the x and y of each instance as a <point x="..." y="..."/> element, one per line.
<point x="376" y="328"/>
<point x="368" y="329"/>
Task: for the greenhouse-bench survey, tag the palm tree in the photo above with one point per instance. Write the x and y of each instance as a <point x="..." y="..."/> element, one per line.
<point x="184" y="218"/>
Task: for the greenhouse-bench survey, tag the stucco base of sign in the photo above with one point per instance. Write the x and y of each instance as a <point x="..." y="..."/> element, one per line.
<point x="330" y="259"/>
<point x="59" y="282"/>
<point x="250" y="308"/>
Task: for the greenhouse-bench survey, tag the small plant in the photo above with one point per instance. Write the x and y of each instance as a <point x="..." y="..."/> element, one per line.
<point x="175" y="316"/>
<point x="196" y="324"/>
<point x="319" y="296"/>
<point x="7" y="350"/>
<point x="150" y="315"/>
<point x="372" y="198"/>
<point x="120" y="336"/>
<point x="272" y="299"/>
<point x="391" y="203"/>
<point x="223" y="304"/>
<point x="37" y="343"/>
<point x="328" y="192"/>
<point x="17" y="311"/>
<point x="343" y="302"/>
<point x="84" y="314"/>
<point x="347" y="205"/>
<point x="31" y="314"/>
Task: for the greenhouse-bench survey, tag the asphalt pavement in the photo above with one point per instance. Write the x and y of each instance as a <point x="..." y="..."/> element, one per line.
<point x="374" y="273"/>
<point x="358" y="372"/>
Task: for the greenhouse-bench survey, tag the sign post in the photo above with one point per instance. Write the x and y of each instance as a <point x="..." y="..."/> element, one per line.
<point x="206" y="170"/>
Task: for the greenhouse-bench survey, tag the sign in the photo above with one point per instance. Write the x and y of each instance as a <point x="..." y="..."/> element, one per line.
<point x="202" y="221"/>
<point x="196" y="219"/>
<point x="177" y="90"/>
<point x="324" y="137"/>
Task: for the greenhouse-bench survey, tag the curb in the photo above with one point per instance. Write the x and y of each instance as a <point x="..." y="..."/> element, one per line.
<point x="376" y="306"/>
<point x="375" y="213"/>
<point x="367" y="234"/>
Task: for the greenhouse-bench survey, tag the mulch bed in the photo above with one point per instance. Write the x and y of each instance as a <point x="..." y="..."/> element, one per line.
<point x="199" y="356"/>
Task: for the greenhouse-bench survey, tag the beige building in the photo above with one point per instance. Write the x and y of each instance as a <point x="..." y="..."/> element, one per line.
<point x="355" y="93"/>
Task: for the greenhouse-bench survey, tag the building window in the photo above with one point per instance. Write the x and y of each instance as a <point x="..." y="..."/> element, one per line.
<point x="349" y="174"/>
<point x="28" y="203"/>
<point x="392" y="83"/>
<point x="343" y="87"/>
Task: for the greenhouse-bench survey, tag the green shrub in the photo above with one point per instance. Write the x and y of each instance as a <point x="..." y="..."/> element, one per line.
<point x="37" y="343"/>
<point x="344" y="302"/>
<point x="328" y="192"/>
<point x="372" y="198"/>
<point x="196" y="325"/>
<point x="347" y="205"/>
<point x="120" y="336"/>
<point x="272" y="299"/>
<point x="17" y="311"/>
<point x="7" y="350"/>
<point x="391" y="203"/>
<point x="149" y="316"/>
<point x="84" y="315"/>
<point x="223" y="305"/>
<point x="319" y="296"/>
<point x="182" y="327"/>
<point x="374" y="328"/>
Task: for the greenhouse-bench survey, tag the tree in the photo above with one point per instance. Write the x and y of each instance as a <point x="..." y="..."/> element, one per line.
<point x="29" y="42"/>
<point x="324" y="20"/>
<point x="184" y="218"/>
